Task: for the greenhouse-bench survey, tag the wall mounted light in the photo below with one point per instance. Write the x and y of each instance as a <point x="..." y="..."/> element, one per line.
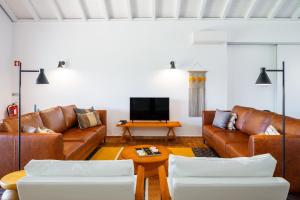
<point x="61" y="64"/>
<point x="172" y="65"/>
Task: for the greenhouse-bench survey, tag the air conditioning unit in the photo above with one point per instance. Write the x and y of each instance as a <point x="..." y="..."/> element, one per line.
<point x="209" y="37"/>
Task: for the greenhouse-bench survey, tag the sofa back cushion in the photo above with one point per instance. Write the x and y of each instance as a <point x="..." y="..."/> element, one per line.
<point x="292" y="124"/>
<point x="242" y="115"/>
<point x="30" y="119"/>
<point x="256" y="166"/>
<point x="69" y="115"/>
<point x="53" y="118"/>
<point x="56" y="168"/>
<point x="257" y="122"/>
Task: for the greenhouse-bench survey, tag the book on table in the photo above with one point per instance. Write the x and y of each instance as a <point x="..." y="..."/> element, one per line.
<point x="147" y="151"/>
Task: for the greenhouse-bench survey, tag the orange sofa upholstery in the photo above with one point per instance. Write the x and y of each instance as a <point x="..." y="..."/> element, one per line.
<point x="247" y="140"/>
<point x="67" y="143"/>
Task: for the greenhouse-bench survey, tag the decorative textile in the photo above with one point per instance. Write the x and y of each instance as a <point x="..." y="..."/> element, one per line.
<point x="204" y="152"/>
<point x="232" y="120"/>
<point x="44" y="130"/>
<point x="83" y="110"/>
<point x="29" y="129"/>
<point x="221" y="119"/>
<point x="271" y="130"/>
<point x="196" y="93"/>
<point x="88" y="120"/>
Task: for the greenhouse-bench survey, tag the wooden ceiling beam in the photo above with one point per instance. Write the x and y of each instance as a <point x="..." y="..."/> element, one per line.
<point x="226" y="8"/>
<point x="274" y="11"/>
<point x="296" y="13"/>
<point x="105" y="9"/>
<point x="31" y="10"/>
<point x="8" y="11"/>
<point x="178" y="9"/>
<point x="251" y="9"/>
<point x="129" y="9"/>
<point x="202" y="9"/>
<point x="154" y="5"/>
<point x="56" y="10"/>
<point x="82" y="10"/>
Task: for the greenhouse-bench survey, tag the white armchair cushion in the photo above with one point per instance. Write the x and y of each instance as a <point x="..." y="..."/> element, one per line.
<point x="227" y="188"/>
<point x="80" y="168"/>
<point x="256" y="166"/>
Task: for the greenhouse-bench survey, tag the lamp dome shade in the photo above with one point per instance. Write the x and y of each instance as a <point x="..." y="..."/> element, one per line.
<point x="263" y="78"/>
<point x="42" y="79"/>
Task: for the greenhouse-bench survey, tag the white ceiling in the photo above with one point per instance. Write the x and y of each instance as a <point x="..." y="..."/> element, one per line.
<point x="93" y="10"/>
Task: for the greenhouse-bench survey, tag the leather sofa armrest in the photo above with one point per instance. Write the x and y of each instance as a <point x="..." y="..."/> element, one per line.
<point x="103" y="116"/>
<point x="163" y="183"/>
<point x="42" y="146"/>
<point x="208" y="117"/>
<point x="261" y="144"/>
<point x="33" y="146"/>
<point x="140" y="184"/>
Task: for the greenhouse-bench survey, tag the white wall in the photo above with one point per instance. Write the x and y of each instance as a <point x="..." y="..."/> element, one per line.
<point x="244" y="63"/>
<point x="112" y="61"/>
<point x="289" y="54"/>
<point x="6" y="29"/>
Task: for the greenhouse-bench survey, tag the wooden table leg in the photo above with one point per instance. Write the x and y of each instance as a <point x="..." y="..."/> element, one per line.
<point x="125" y="130"/>
<point x="171" y="130"/>
<point x="129" y="133"/>
<point x="168" y="134"/>
<point x="174" y="134"/>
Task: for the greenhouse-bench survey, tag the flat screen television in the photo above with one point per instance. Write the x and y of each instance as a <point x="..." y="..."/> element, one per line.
<point x="149" y="108"/>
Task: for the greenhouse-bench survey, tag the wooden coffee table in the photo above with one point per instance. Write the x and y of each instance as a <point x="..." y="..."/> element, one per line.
<point x="150" y="163"/>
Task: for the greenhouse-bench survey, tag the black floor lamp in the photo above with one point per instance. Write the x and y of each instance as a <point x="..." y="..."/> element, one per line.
<point x="263" y="79"/>
<point x="41" y="79"/>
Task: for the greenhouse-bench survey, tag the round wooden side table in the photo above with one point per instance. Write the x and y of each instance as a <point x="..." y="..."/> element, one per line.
<point x="150" y="163"/>
<point x="8" y="182"/>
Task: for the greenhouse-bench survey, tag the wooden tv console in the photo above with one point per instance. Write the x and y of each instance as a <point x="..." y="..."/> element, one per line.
<point x="170" y="125"/>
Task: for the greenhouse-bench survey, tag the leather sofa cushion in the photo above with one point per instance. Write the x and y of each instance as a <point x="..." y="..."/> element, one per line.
<point x="223" y="138"/>
<point x="237" y="149"/>
<point x="257" y="122"/>
<point x="209" y="131"/>
<point x="72" y="148"/>
<point x="242" y="115"/>
<point x="69" y="115"/>
<point x="30" y="119"/>
<point x="77" y="134"/>
<point x="53" y="118"/>
<point x="292" y="125"/>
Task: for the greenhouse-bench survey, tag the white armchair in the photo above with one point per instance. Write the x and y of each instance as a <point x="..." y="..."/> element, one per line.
<point x="77" y="180"/>
<point x="221" y="178"/>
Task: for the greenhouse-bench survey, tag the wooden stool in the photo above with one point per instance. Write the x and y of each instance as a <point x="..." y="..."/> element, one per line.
<point x="8" y="182"/>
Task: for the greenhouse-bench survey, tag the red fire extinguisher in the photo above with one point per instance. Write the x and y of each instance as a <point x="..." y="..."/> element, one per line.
<point x="12" y="110"/>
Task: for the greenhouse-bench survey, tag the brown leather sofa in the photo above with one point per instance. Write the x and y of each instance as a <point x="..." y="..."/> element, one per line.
<point x="67" y="143"/>
<point x="247" y="140"/>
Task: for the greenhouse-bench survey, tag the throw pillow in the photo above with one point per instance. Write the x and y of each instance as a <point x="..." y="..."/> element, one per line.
<point x="88" y="120"/>
<point x="44" y="130"/>
<point x="29" y="129"/>
<point x="221" y="118"/>
<point x="232" y="120"/>
<point x="271" y="130"/>
<point x="83" y="110"/>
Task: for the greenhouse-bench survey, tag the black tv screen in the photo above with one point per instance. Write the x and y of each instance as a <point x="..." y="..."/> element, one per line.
<point x="144" y="108"/>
